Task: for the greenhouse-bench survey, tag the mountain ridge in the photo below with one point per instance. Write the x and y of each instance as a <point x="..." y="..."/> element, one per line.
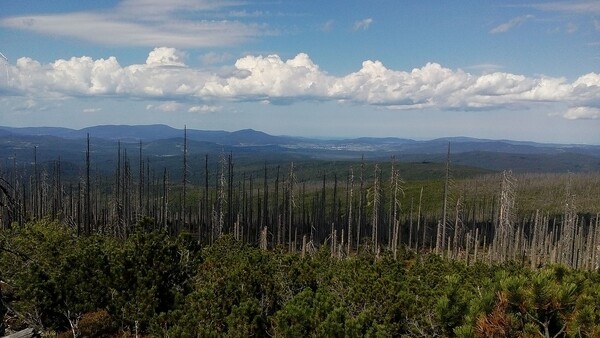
<point x="163" y="131"/>
<point x="162" y="140"/>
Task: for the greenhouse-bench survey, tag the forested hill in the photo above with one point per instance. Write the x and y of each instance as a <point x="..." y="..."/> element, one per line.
<point x="162" y="140"/>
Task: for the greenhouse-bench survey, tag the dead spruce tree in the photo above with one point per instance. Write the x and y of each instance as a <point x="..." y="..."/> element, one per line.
<point x="88" y="191"/>
<point x="504" y="235"/>
<point x="361" y="193"/>
<point x="396" y="185"/>
<point x="373" y="198"/>
<point x="566" y="244"/>
<point x="218" y="214"/>
<point x="349" y="206"/>
<point x="291" y="186"/>
<point x="445" y="210"/>
<point x="140" y="210"/>
<point x="185" y="177"/>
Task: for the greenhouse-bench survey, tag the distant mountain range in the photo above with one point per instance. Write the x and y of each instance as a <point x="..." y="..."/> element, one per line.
<point x="165" y="141"/>
<point x="153" y="132"/>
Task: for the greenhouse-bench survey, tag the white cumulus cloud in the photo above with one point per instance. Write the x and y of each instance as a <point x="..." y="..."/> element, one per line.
<point x="164" y="56"/>
<point x="166" y="107"/>
<point x="203" y="109"/>
<point x="83" y="76"/>
<point x="269" y="76"/>
<point x="164" y="77"/>
<point x="582" y="113"/>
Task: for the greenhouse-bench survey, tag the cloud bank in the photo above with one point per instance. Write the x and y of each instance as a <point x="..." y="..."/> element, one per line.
<point x="165" y="77"/>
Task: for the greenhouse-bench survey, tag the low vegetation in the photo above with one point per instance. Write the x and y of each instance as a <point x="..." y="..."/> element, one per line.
<point x="153" y="284"/>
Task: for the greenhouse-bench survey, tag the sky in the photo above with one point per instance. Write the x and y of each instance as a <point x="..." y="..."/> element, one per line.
<point x="520" y="70"/>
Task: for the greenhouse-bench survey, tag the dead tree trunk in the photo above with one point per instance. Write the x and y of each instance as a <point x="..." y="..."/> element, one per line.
<point x="445" y="212"/>
<point x="88" y="207"/>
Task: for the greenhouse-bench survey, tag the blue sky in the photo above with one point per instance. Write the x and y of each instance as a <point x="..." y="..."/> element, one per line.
<point x="417" y="69"/>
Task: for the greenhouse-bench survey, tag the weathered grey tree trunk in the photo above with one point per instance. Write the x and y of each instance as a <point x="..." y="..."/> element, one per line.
<point x="291" y="203"/>
<point x="165" y="200"/>
<point x="360" y="202"/>
<point x="349" y="205"/>
<point x="184" y="181"/>
<point x="221" y="199"/>
<point x="141" y="181"/>
<point x="445" y="208"/>
<point x="396" y="188"/>
<point x="457" y="229"/>
<point x="88" y="192"/>
<point x="375" y="214"/>
<point x="504" y="233"/>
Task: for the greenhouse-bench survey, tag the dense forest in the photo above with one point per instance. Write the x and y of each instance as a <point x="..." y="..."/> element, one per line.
<point x="307" y="248"/>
